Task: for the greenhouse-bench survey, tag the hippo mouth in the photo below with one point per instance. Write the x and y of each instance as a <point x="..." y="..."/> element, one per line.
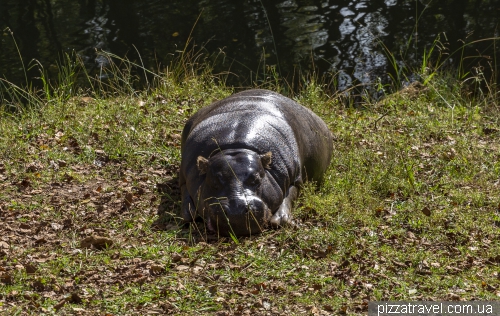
<point x="246" y="223"/>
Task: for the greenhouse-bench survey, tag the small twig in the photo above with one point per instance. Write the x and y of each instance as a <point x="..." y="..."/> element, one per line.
<point x="383" y="115"/>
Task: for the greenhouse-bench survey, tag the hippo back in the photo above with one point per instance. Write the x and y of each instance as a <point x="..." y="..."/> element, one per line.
<point x="262" y="121"/>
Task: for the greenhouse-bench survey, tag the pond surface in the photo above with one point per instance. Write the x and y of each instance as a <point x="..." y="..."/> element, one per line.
<point x="347" y="38"/>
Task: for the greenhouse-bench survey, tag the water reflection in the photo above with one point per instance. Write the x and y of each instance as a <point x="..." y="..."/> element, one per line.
<point x="348" y="38"/>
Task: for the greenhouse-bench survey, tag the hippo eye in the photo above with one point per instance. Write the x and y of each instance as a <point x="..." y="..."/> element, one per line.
<point x="216" y="182"/>
<point x="253" y="179"/>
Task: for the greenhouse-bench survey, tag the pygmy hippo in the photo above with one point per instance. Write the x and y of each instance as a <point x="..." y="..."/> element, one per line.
<point x="244" y="159"/>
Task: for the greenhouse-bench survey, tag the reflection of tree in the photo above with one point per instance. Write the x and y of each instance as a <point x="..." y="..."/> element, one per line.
<point x="453" y="22"/>
<point x="339" y="36"/>
<point x="226" y="25"/>
<point x="6" y="49"/>
<point x="304" y="30"/>
<point x="26" y="33"/>
<point x="362" y="25"/>
<point x="124" y="25"/>
<point x="336" y="36"/>
<point x="46" y="17"/>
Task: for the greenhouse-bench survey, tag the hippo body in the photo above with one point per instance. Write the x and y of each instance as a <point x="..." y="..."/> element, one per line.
<point x="244" y="159"/>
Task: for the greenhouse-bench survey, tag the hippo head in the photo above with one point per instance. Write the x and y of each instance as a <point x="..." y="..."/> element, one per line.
<point x="233" y="195"/>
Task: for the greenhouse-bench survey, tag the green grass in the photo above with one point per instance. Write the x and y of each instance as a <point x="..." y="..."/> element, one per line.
<point x="409" y="208"/>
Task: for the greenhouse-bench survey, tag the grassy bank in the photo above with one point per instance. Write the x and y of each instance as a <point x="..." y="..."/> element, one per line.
<point x="409" y="209"/>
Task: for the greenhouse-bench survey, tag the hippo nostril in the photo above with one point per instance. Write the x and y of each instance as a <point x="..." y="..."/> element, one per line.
<point x="251" y="207"/>
<point x="209" y="224"/>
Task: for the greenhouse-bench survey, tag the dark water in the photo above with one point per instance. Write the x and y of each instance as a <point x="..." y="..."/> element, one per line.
<point x="347" y="38"/>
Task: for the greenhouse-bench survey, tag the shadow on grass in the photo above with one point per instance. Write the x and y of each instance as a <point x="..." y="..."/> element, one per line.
<point x="169" y="218"/>
<point x="169" y="208"/>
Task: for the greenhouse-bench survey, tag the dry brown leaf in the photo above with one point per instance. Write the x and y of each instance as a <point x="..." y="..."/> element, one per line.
<point x="59" y="305"/>
<point x="97" y="242"/>
<point x="85" y="100"/>
<point x="176" y="257"/>
<point x="24" y="184"/>
<point x="175" y="136"/>
<point x="61" y="163"/>
<point x="197" y="270"/>
<point x="141" y="280"/>
<point x="33" y="167"/>
<point x="453" y="297"/>
<point x="30" y="268"/>
<point x="314" y="310"/>
<point x="56" y="226"/>
<point x="6" y="279"/>
<point x="24" y="226"/>
<point x="426" y="211"/>
<point x="182" y="268"/>
<point x="38" y="285"/>
<point x="317" y="287"/>
<point x="74" y="298"/>
<point x="128" y="199"/>
<point x="156" y="269"/>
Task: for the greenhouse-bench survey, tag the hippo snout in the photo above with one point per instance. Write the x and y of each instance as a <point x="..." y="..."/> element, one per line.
<point x="236" y="206"/>
<point x="243" y="216"/>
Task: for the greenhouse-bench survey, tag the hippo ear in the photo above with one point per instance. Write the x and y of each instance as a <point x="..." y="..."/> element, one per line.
<point x="265" y="159"/>
<point x="202" y="164"/>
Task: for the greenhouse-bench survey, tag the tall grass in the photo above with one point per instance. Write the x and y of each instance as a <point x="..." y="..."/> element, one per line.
<point x="435" y="59"/>
<point x="119" y="77"/>
<point x="123" y="77"/>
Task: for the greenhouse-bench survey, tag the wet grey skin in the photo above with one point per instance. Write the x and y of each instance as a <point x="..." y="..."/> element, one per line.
<point x="244" y="159"/>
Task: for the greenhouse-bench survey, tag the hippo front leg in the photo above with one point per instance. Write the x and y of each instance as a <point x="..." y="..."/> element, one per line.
<point x="188" y="210"/>
<point x="283" y="215"/>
